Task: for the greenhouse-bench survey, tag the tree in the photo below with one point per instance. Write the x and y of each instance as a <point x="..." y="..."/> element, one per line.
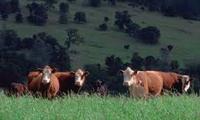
<point x="73" y="37"/>
<point x="149" y="35"/>
<point x="14" y="5"/>
<point x="114" y="64"/>
<point x="95" y="3"/>
<point x="149" y="62"/>
<point x="136" y="61"/>
<point x="80" y="17"/>
<point x="63" y="10"/>
<point x="38" y="14"/>
<point x="50" y="3"/>
<point x="19" y="18"/>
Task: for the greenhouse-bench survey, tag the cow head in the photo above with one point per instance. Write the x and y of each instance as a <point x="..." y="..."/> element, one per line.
<point x="80" y="76"/>
<point x="46" y="74"/>
<point x="129" y="76"/>
<point x="186" y="82"/>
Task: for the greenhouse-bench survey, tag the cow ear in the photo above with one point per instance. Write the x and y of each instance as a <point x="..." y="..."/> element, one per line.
<point x="86" y="73"/>
<point x="134" y="73"/>
<point x="121" y="71"/>
<point x="72" y="73"/>
<point x="54" y="70"/>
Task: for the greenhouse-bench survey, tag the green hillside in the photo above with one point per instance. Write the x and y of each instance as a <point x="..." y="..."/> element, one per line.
<point x="183" y="34"/>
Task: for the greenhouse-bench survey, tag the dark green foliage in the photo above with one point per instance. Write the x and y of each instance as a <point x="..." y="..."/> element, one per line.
<point x="19" y="18"/>
<point x="14" y="6"/>
<point x="64" y="7"/>
<point x="149" y="35"/>
<point x="149" y="63"/>
<point x="80" y="17"/>
<point x="103" y="27"/>
<point x="73" y="37"/>
<point x="50" y="3"/>
<point x="37" y="14"/>
<point x="188" y="9"/>
<point x="114" y="64"/>
<point x="19" y="56"/>
<point x="137" y="61"/>
<point x="95" y="3"/>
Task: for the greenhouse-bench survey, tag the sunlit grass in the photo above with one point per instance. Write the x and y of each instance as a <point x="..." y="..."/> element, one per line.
<point x="82" y="107"/>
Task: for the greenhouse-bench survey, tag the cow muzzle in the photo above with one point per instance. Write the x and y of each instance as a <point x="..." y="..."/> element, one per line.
<point x="78" y="83"/>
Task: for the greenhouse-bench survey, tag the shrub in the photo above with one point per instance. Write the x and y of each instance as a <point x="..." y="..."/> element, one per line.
<point x="80" y="17"/>
<point x="95" y="3"/>
<point x="149" y="35"/>
<point x="103" y="27"/>
<point x="19" y="18"/>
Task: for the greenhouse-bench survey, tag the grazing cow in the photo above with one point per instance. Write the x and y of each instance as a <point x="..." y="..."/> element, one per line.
<point x="45" y="82"/>
<point x="101" y="88"/>
<point x="71" y="81"/>
<point x="142" y="83"/>
<point x="17" y="89"/>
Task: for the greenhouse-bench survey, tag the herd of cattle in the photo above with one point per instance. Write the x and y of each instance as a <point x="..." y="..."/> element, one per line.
<point x="49" y="82"/>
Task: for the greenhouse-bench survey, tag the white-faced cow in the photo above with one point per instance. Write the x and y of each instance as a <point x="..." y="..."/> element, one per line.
<point x="145" y="83"/>
<point x="71" y="81"/>
<point x="142" y="83"/>
<point x="45" y="82"/>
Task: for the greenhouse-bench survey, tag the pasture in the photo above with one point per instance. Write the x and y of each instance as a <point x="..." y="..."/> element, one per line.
<point x="82" y="107"/>
<point x="183" y="34"/>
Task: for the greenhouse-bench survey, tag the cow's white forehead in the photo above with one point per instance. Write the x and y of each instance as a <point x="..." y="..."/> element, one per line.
<point x="128" y="70"/>
<point x="79" y="71"/>
<point x="186" y="77"/>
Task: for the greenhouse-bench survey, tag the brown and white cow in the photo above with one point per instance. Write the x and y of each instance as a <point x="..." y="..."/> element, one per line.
<point x="175" y="82"/>
<point x="71" y="81"/>
<point x="142" y="83"/>
<point x="45" y="82"/>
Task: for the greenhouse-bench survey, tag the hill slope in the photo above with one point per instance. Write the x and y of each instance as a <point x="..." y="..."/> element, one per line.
<point x="183" y="34"/>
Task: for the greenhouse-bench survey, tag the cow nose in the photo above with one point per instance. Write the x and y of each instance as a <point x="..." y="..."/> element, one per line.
<point x="44" y="81"/>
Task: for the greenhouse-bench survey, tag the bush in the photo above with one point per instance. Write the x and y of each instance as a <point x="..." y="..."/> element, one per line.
<point x="64" y="7"/>
<point x="103" y="27"/>
<point x="149" y="35"/>
<point x="19" y="18"/>
<point x="95" y="3"/>
<point x="38" y="14"/>
<point x="80" y="17"/>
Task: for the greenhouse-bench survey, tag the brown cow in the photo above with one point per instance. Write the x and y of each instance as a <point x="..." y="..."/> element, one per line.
<point x="173" y="81"/>
<point x="71" y="81"/>
<point x="46" y="83"/>
<point x="139" y="80"/>
<point x="142" y="83"/>
<point x="32" y="75"/>
<point x="18" y="89"/>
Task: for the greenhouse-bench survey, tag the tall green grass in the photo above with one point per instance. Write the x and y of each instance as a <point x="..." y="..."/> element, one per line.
<point x="82" y="107"/>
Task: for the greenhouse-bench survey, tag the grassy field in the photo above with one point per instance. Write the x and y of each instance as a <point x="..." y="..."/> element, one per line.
<point x="97" y="108"/>
<point x="183" y="34"/>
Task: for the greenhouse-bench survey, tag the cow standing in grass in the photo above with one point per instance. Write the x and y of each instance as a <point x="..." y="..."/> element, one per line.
<point x="45" y="82"/>
<point x="71" y="81"/>
<point x="145" y="83"/>
<point x="142" y="83"/>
